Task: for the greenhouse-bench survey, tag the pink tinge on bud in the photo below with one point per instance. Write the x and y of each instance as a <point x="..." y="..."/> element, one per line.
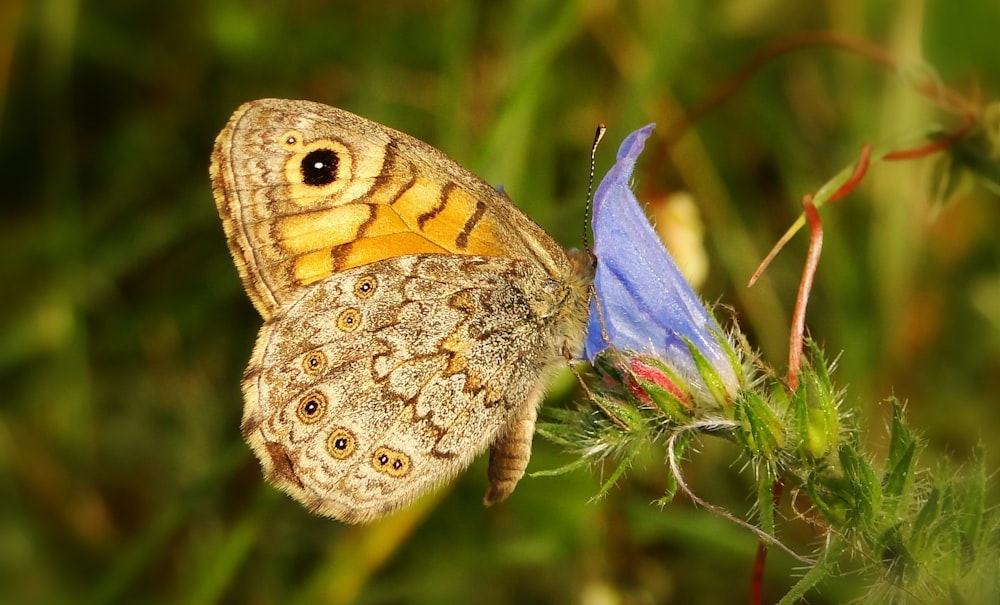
<point x="644" y="371"/>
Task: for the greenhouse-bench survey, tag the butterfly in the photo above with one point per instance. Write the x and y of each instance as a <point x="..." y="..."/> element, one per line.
<point x="412" y="314"/>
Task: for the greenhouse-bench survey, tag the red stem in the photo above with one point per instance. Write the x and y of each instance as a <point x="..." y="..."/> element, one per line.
<point x="918" y="152"/>
<point x="805" y="286"/>
<point x="860" y="170"/>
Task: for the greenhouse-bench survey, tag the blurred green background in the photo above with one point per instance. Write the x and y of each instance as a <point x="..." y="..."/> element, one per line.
<point x="125" y="329"/>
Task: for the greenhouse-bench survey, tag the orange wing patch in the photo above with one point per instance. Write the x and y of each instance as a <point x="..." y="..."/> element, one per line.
<point x="422" y="217"/>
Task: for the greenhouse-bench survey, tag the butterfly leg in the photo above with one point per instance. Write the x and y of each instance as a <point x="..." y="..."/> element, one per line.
<point x="510" y="453"/>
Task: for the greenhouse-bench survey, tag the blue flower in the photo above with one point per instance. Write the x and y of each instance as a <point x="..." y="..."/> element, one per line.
<point x="643" y="303"/>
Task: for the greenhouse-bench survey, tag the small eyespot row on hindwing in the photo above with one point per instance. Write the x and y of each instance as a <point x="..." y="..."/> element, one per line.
<point x="341" y="443"/>
<point x="314" y="363"/>
<point x="311" y="407"/>
<point x="391" y="462"/>
<point x="365" y="286"/>
<point x="349" y="320"/>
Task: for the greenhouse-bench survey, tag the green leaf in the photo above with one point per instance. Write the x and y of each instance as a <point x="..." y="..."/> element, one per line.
<point x="580" y="462"/>
<point x="623" y="465"/>
<point x="765" y="498"/>
<point x="894" y="554"/>
<point x="865" y="490"/>
<point x="898" y="477"/>
<point x="830" y="494"/>
<point x="759" y="428"/>
<point x="973" y="506"/>
<point x="620" y="413"/>
<point x="814" y="419"/>
<point x="819" y="572"/>
<point x="925" y="519"/>
<point x="709" y="375"/>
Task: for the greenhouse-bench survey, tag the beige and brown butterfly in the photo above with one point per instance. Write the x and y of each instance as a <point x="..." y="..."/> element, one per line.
<point x="412" y="313"/>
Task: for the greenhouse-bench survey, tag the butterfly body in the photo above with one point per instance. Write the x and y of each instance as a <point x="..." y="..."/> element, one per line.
<point x="412" y="313"/>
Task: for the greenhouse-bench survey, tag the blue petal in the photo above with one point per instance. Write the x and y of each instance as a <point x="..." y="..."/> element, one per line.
<point x="646" y="304"/>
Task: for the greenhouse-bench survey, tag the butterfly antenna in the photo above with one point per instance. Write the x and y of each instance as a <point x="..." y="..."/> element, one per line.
<point x="598" y="135"/>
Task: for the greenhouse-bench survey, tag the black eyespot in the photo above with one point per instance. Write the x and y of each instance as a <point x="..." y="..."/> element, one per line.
<point x="349" y="319"/>
<point x="391" y="462"/>
<point x="311" y="407"/>
<point x="341" y="443"/>
<point x="314" y="363"/>
<point x="319" y="167"/>
<point x="365" y="286"/>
